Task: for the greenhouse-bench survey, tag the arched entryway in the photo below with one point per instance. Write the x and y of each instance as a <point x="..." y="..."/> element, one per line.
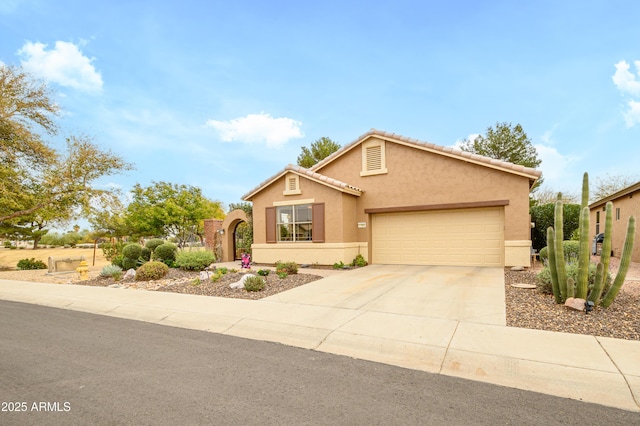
<point x="229" y="229"/>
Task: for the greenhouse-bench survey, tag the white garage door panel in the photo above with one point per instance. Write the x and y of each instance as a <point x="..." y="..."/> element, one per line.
<point x="447" y="237"/>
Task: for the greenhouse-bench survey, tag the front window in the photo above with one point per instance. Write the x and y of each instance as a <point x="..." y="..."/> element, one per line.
<point x="294" y="223"/>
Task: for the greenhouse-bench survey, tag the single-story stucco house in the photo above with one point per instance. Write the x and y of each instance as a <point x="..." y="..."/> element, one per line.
<point x="395" y="200"/>
<point x="626" y="203"/>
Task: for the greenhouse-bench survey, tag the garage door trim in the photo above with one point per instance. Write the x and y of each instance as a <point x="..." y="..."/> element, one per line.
<point x="428" y="207"/>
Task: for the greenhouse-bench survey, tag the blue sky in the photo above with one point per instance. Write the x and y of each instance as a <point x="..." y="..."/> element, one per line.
<point x="222" y="94"/>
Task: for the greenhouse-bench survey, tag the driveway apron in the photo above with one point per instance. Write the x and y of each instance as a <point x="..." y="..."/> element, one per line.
<point x="468" y="294"/>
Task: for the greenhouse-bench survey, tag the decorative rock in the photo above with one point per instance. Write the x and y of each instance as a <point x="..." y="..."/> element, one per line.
<point x="518" y="268"/>
<point x="240" y="284"/>
<point x="211" y="267"/>
<point x="130" y="274"/>
<point x="115" y="286"/>
<point x="523" y="285"/>
<point x="573" y="303"/>
<point x="205" y="275"/>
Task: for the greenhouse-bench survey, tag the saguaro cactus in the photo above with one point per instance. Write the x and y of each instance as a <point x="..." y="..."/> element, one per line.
<point x="624" y="264"/>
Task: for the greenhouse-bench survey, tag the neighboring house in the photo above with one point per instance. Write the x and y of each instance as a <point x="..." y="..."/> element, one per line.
<point x="395" y="200"/>
<point x="626" y="203"/>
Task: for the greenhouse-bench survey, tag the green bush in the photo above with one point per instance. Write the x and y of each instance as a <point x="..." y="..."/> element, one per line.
<point x="359" y="261"/>
<point x="165" y="252"/>
<point x="571" y="251"/>
<point x="291" y="268"/>
<point x="132" y="251"/>
<point x="146" y="254"/>
<point x="112" y="271"/>
<point x="222" y="271"/>
<point x="544" y="277"/>
<point x="151" y="271"/>
<point x="263" y="272"/>
<point x="7" y="244"/>
<point x="194" y="260"/>
<point x="118" y="261"/>
<point x="153" y="243"/>
<point x="254" y="284"/>
<point x="128" y="263"/>
<point x="27" y="264"/>
<point x="281" y="274"/>
<point x="112" y="250"/>
<point x="338" y="265"/>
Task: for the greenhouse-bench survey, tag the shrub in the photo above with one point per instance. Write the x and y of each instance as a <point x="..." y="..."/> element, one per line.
<point x="254" y="284"/>
<point x="146" y="254"/>
<point x="263" y="272"/>
<point x="571" y="251"/>
<point x="113" y="271"/>
<point x="290" y="268"/>
<point x="281" y="274"/>
<point x="338" y="265"/>
<point x="132" y="251"/>
<point x="27" y="264"/>
<point x="359" y="261"/>
<point x="216" y="277"/>
<point x="118" y="261"/>
<point x="128" y="263"/>
<point x="544" y="277"/>
<point x="112" y="250"/>
<point x="222" y="270"/>
<point x="165" y="252"/>
<point x="153" y="243"/>
<point x="151" y="271"/>
<point x="194" y="260"/>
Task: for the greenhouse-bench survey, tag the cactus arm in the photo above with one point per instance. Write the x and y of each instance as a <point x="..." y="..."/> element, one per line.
<point x="624" y="264"/>
<point x="559" y="249"/>
<point x="582" y="286"/>
<point x="585" y="190"/>
<point x="552" y="264"/>
<point x="571" y="288"/>
<point x="598" y="285"/>
<point x="605" y="254"/>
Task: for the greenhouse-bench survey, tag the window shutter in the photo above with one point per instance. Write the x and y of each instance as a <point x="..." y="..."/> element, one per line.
<point x="270" y="219"/>
<point x="374" y="157"/>
<point x="318" y="222"/>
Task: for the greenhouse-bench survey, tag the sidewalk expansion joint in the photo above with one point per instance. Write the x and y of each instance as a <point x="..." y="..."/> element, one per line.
<point x="446" y="352"/>
<point x="633" y="395"/>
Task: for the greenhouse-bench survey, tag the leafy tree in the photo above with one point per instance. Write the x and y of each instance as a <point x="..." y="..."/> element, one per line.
<point x="507" y="143"/>
<point x="610" y="184"/>
<point x="319" y="150"/>
<point x="543" y="217"/>
<point x="35" y="176"/>
<point x="545" y="195"/>
<point x="169" y="209"/>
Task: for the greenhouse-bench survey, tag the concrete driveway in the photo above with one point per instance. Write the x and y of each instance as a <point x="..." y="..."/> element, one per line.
<point x="467" y="294"/>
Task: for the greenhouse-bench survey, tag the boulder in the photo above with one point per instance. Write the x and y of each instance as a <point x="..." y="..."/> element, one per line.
<point x="130" y="274"/>
<point x="575" y="303"/>
<point x="518" y="268"/>
<point x="240" y="284"/>
<point x="205" y="275"/>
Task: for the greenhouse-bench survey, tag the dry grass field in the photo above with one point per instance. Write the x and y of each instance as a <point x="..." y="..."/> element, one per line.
<point x="9" y="258"/>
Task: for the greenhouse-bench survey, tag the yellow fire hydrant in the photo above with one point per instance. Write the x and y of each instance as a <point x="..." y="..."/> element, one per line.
<point x="83" y="270"/>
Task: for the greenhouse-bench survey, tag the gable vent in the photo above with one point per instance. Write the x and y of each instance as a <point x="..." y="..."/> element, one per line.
<point x="292" y="185"/>
<point x="374" y="157"/>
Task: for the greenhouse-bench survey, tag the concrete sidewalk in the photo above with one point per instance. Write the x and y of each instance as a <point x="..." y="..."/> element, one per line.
<point x="593" y="369"/>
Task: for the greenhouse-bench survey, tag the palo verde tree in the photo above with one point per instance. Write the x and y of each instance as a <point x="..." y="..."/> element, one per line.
<point x="35" y="176"/>
<point x="318" y="151"/>
<point x="165" y="209"/>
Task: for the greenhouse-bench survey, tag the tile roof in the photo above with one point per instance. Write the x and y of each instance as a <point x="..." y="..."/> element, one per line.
<point x="444" y="150"/>
<point x="621" y="193"/>
<point x="339" y="185"/>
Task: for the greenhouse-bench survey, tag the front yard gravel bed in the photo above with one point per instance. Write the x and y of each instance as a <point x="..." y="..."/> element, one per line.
<point x="529" y="308"/>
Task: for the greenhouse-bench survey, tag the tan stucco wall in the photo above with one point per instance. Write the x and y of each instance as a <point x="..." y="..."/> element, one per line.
<point x="629" y="205"/>
<point x="337" y="207"/>
<point x="308" y="253"/>
<point x="415" y="177"/>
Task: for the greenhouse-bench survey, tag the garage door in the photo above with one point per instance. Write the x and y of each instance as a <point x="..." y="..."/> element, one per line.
<point x="462" y="237"/>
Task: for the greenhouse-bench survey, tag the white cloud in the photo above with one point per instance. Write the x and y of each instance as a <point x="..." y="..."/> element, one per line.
<point x="471" y="138"/>
<point x="64" y="64"/>
<point x="258" y="128"/>
<point x="629" y="85"/>
<point x="554" y="164"/>
<point x="625" y="81"/>
<point x="632" y="116"/>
